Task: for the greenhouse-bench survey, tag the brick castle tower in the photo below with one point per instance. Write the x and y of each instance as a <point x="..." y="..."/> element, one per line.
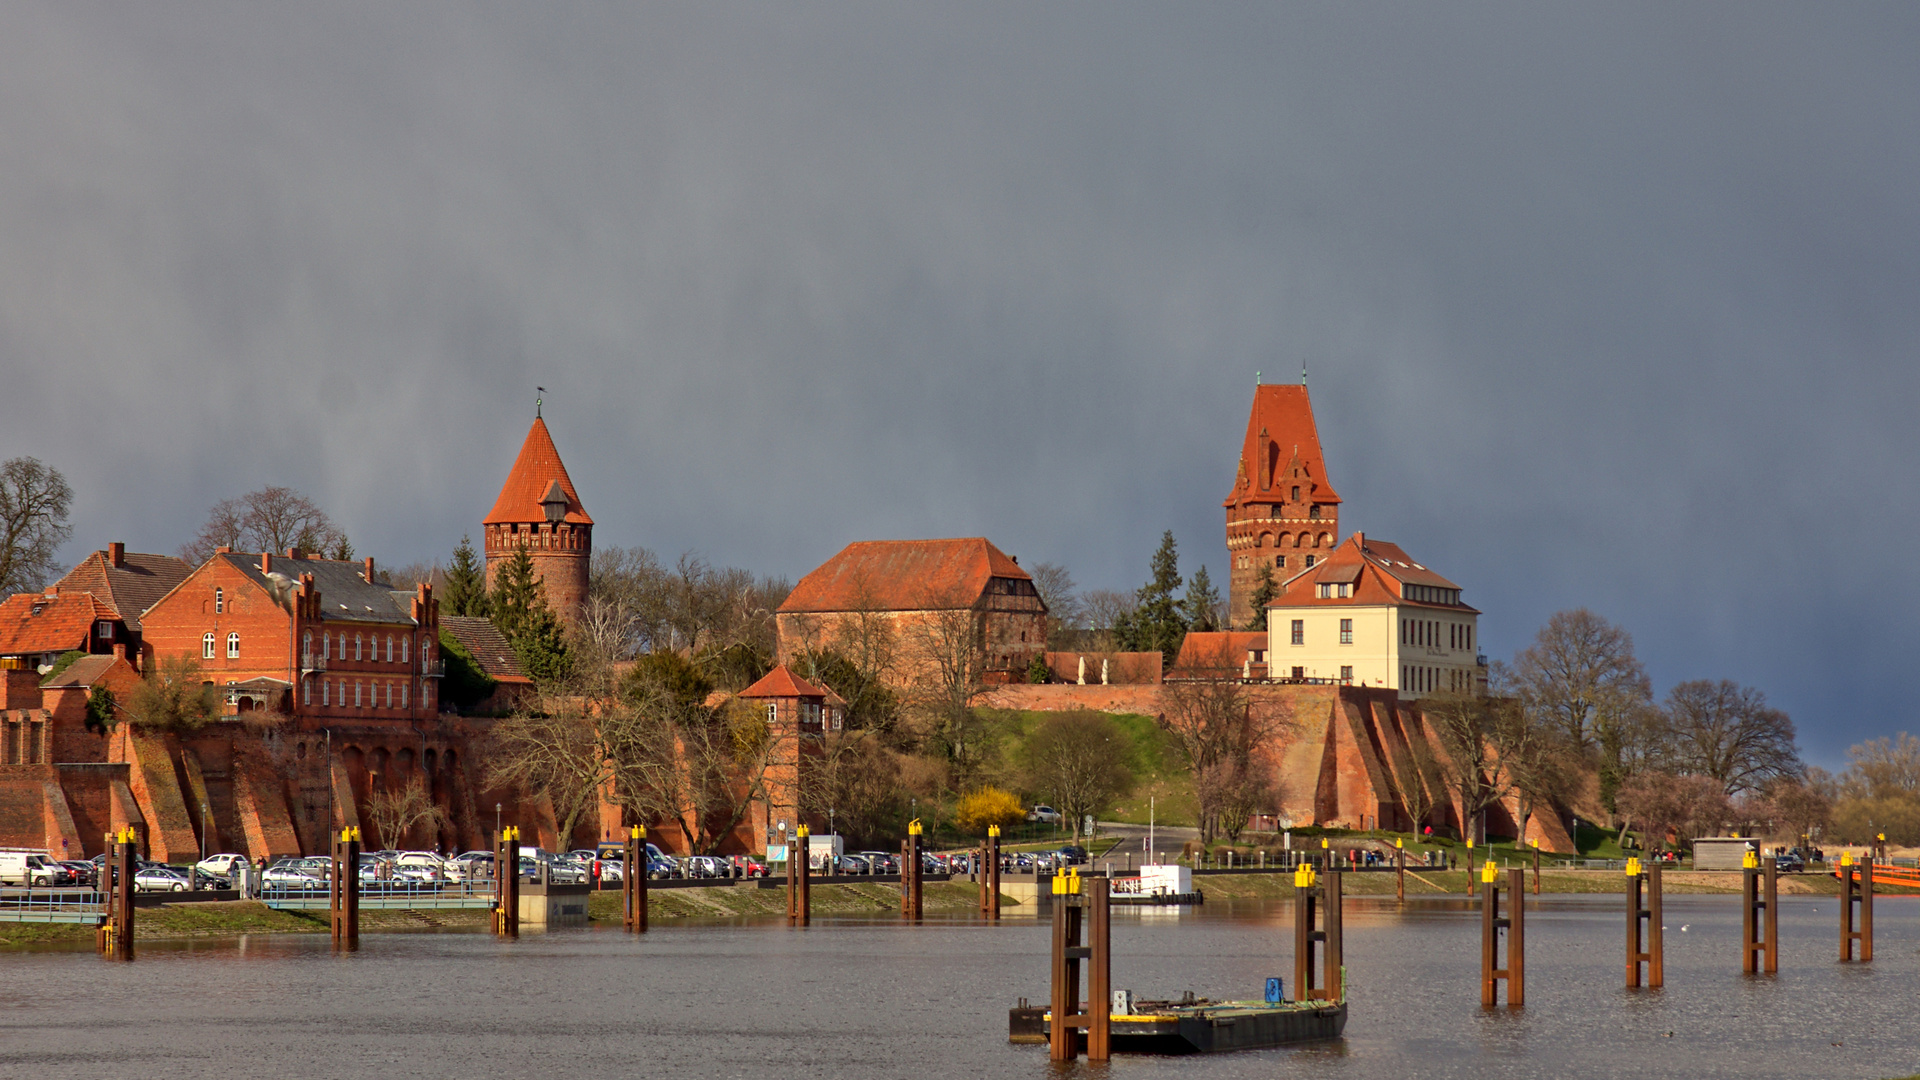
<point x="538" y="508"/>
<point x="1282" y="512"/>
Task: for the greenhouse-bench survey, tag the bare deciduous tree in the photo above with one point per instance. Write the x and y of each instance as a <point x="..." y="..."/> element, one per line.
<point x="1218" y="727"/>
<point x="1078" y="759"/>
<point x="1726" y="731"/>
<point x="1066" y="611"/>
<point x="1491" y="748"/>
<point x="554" y="749"/>
<point x="270" y="519"/>
<point x="1677" y="808"/>
<point x="1581" y="678"/>
<point x="34" y="500"/>
<point x="396" y="813"/>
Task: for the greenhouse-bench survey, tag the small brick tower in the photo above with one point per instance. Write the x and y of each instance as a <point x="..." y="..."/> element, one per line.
<point x="538" y="508"/>
<point x="1282" y="513"/>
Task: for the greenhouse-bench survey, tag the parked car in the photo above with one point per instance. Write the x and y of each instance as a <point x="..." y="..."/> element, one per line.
<point x="883" y="863"/>
<point x="660" y="867"/>
<point x="160" y="879"/>
<point x="85" y="874"/>
<point x="1070" y="854"/>
<point x="1045" y="814"/>
<point x="44" y="871"/>
<point x="1789" y="864"/>
<point x="707" y="866"/>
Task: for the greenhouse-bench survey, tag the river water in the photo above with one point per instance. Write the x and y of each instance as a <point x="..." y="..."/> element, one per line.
<point x="873" y="998"/>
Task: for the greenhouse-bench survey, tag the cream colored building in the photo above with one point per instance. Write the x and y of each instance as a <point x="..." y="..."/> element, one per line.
<point x="1369" y="615"/>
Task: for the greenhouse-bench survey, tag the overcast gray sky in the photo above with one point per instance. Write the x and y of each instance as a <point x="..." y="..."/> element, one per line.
<point x="1606" y="305"/>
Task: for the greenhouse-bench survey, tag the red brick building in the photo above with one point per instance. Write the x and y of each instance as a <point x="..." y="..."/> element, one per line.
<point x="128" y="583"/>
<point x="538" y="509"/>
<point x="1282" y="513"/>
<point x="942" y="601"/>
<point x="309" y="637"/>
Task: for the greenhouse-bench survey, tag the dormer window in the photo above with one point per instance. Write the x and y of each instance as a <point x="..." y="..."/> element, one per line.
<point x="1313" y="512"/>
<point x="103" y="630"/>
<point x="554" y="503"/>
<point x="1296" y="493"/>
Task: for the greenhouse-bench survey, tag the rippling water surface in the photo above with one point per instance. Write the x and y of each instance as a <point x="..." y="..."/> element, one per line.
<point x="858" y="999"/>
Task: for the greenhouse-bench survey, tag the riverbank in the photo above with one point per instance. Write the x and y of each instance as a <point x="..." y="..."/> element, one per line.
<point x="235" y="917"/>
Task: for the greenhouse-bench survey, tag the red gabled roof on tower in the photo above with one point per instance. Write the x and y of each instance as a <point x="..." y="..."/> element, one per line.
<point x="537" y="467"/>
<point x="782" y="683"/>
<point x="1285" y="415"/>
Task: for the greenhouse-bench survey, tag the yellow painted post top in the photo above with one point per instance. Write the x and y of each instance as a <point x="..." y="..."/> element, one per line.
<point x="1846" y="858"/>
<point x="803" y="833"/>
<point x="993" y="830"/>
<point x="1534" y="843"/>
<point x="1398" y="844"/>
<point x="1633" y="867"/>
<point x="1323" y="844"/>
<point x="1303" y="876"/>
<point x="913" y="827"/>
<point x="1880" y="836"/>
<point x="1469" y="843"/>
<point x="1751" y="861"/>
<point x="1489" y="873"/>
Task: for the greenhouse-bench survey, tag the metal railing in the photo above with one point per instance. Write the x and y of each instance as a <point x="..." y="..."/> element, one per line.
<point x="393" y="895"/>
<point x="312" y="662"/>
<point x="76" y="905"/>
<point x="435" y="670"/>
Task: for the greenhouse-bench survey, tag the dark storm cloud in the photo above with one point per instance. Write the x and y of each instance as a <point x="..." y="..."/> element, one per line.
<point x="1606" y="308"/>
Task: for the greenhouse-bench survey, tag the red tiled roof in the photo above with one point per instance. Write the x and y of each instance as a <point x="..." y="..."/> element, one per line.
<point x="782" y="683"/>
<point x="130" y="588"/>
<point x="1279" y="429"/>
<point x="1377" y="571"/>
<point x="87" y="671"/>
<point x="33" y="623"/>
<point x="1219" y="649"/>
<point x="903" y="575"/>
<point x="537" y="467"/>
<point x="488" y="645"/>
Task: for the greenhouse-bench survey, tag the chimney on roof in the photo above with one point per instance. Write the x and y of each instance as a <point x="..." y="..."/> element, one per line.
<point x="293" y="553"/>
<point x="223" y="550"/>
<point x="119" y="650"/>
<point x="116" y="554"/>
<point x="368" y="572"/>
<point x="266" y="562"/>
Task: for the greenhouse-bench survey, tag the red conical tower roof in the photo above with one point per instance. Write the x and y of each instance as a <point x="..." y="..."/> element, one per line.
<point x="536" y="469"/>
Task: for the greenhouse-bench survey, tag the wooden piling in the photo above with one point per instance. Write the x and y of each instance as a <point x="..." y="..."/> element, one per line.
<point x="1400" y="872"/>
<point x="633" y="882"/>
<point x="1492" y="923"/>
<point x="990" y="874"/>
<point x="1856" y="893"/>
<point x="1063" y="1040"/>
<point x="1759" y="916"/>
<point x="1536" y="868"/>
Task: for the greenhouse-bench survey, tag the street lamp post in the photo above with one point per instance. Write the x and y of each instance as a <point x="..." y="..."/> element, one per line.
<point x="496" y="821"/>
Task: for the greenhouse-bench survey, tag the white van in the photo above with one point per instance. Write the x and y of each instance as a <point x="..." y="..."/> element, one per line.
<point x="24" y="866"/>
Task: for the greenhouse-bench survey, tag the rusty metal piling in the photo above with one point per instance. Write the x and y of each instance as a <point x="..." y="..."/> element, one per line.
<point x="506" y="883"/>
<point x="114" y="938"/>
<point x="1400" y="871"/>
<point x="1856" y="891"/>
<point x="633" y="882"/>
<point x="799" y="884"/>
<point x="910" y="872"/>
<point x="1759" y="916"/>
<point x="343" y="896"/>
<point x="1646" y="942"/>
<point x="990" y="874"/>
<point x="1319" y="936"/>
<point x="1079" y="915"/>
<point x="1492" y="923"/>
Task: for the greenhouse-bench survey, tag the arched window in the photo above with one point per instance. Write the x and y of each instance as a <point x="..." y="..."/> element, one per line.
<point x="404" y="641"/>
<point x="356" y="649"/>
<point x="326" y="692"/>
<point x="326" y="646"/>
<point x="403" y="692"/>
<point x="306" y="651"/>
<point x="206" y="645"/>
<point x="356" y="693"/>
<point x="306" y="698"/>
<point x="233" y="646"/>
<point x="1324" y="540"/>
<point x="219" y="601"/>
<point x="389" y="660"/>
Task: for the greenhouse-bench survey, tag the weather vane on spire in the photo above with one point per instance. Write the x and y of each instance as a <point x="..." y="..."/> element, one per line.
<point x="1256" y="378"/>
<point x="1303" y="373"/>
<point x="538" y="400"/>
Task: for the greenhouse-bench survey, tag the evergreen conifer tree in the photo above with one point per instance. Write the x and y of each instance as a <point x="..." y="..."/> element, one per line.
<point x="466" y="589"/>
<point x="1157" y="623"/>
<point x="520" y="611"/>
<point x="1264" y="590"/>
<point x="1202" y="605"/>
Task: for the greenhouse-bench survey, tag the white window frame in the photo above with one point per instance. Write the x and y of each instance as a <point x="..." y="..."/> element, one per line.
<point x="206" y="645"/>
<point x="405" y="640"/>
<point x="219" y="601"/>
<point x="233" y="646"/>
<point x="1346" y="631"/>
<point x="103" y="630"/>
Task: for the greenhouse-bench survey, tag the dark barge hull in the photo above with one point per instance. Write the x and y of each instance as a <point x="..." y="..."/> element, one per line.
<point x="1208" y="1029"/>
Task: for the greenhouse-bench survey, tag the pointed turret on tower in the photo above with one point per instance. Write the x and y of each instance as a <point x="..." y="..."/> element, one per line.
<point x="1282" y="513"/>
<point x="539" y="509"/>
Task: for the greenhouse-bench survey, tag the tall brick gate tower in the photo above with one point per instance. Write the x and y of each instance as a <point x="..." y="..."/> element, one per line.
<point x="1282" y="513"/>
<point x="538" y="508"/>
